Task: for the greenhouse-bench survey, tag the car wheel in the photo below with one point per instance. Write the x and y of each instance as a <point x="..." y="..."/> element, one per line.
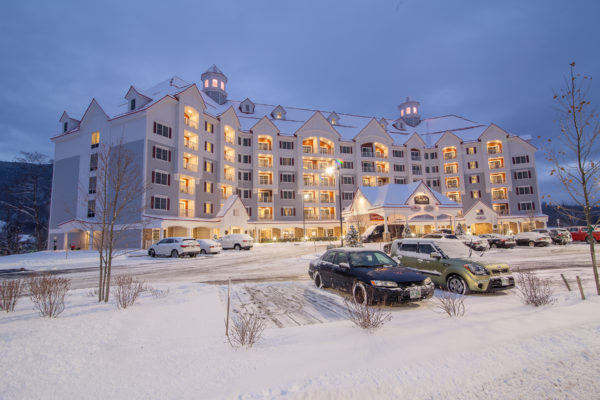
<point x="318" y="281"/>
<point x="174" y="254"/>
<point x="202" y="251"/>
<point x="152" y="253"/>
<point x="360" y="294"/>
<point x="531" y="244"/>
<point x="493" y="245"/>
<point x="457" y="284"/>
<point x="237" y="247"/>
<point x="193" y="255"/>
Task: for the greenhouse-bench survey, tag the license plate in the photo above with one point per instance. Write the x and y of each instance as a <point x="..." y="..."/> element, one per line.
<point x="504" y="281"/>
<point x="415" y="292"/>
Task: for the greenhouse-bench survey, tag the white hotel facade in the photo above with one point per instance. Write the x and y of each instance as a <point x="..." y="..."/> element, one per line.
<point x="219" y="166"/>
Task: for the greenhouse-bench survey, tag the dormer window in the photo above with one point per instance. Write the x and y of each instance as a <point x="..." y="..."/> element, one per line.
<point x="65" y="126"/>
<point x="247" y="108"/>
<point x="333" y="121"/>
<point x="215" y="83"/>
<point x="278" y="115"/>
<point x="131" y="104"/>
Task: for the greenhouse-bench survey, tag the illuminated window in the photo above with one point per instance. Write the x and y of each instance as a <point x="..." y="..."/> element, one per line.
<point x="278" y="114"/>
<point x="222" y="85"/>
<point x="407" y="110"/>
<point x="414" y="110"/>
<point x="95" y="139"/>
<point x="474" y="178"/>
<point x="475" y="194"/>
<point x="454" y="196"/>
<point x="206" y="83"/>
<point x="402" y="113"/>
<point x="208" y="208"/>
<point x="215" y="83"/>
<point x="208" y="166"/>
<point x="333" y="121"/>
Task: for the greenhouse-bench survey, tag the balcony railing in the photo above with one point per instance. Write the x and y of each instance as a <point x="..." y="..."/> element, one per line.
<point x="186" y="189"/>
<point x="327" y="200"/>
<point x="449" y="156"/>
<point x="307" y="149"/>
<point x="229" y="157"/>
<point x="190" y="123"/>
<point x="367" y="168"/>
<point x="452" y="185"/>
<point x="190" y="166"/>
<point x="499" y="196"/>
<point x="450" y="170"/>
<point x="327" y="217"/>
<point x="494" y="150"/>
<point x="264" y="146"/>
<point x="265" y="199"/>
<point x="190" y="145"/>
<point x="264" y="163"/>
<point x="229" y="177"/>
<point x="498" y="181"/>
<point x="501" y="212"/>
<point x="381" y="170"/>
<point x="415" y="157"/>
<point x="186" y="212"/>
<point x="496" y="165"/>
<point x="367" y="153"/>
<point x="325" y="150"/>
<point x="264" y="181"/>
<point x="310" y="217"/>
<point x="265" y="216"/>
<point x="229" y="139"/>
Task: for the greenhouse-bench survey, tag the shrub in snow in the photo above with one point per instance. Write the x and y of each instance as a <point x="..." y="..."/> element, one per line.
<point x="158" y="293"/>
<point x="246" y="329"/>
<point x="452" y="304"/>
<point x="459" y="230"/>
<point x="365" y="316"/>
<point x="352" y="237"/>
<point x="534" y="290"/>
<point x="47" y="293"/>
<point x="10" y="290"/>
<point x="126" y="290"/>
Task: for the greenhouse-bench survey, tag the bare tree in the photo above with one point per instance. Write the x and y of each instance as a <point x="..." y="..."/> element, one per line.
<point x="114" y="206"/>
<point x="576" y="157"/>
<point x="29" y="194"/>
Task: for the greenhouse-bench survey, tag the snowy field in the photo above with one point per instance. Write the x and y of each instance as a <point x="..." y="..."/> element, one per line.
<point x="174" y="347"/>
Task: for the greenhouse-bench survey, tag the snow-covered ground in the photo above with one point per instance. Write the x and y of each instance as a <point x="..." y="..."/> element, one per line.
<point x="174" y="347"/>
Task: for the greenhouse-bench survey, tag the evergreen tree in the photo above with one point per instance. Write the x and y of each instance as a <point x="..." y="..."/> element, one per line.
<point x="352" y="237"/>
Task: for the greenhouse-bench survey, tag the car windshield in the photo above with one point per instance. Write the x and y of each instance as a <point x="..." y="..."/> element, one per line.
<point x="453" y="249"/>
<point x="370" y="259"/>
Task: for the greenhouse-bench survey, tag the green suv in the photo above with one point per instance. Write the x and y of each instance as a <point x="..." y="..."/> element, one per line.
<point x="451" y="264"/>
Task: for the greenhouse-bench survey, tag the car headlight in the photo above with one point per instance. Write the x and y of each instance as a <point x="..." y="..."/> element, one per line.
<point x="476" y="269"/>
<point x="427" y="282"/>
<point x="384" y="283"/>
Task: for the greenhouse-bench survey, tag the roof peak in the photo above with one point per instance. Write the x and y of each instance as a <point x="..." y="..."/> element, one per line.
<point x="214" y="69"/>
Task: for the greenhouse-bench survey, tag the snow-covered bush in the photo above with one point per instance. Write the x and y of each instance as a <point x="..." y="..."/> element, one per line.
<point x="127" y="290"/>
<point x="365" y="316"/>
<point x="459" y="230"/>
<point x="452" y="304"/>
<point x="246" y="329"/>
<point x="352" y="237"/>
<point x="10" y="290"/>
<point x="47" y="293"/>
<point x="534" y="290"/>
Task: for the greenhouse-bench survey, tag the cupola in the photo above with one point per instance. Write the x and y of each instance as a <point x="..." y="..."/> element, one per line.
<point x="214" y="83"/>
<point x="409" y="112"/>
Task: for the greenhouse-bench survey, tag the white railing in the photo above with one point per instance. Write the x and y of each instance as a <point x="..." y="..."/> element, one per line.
<point x="190" y="123"/>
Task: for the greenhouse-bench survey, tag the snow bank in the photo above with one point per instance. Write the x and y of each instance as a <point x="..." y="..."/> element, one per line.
<point x="175" y="348"/>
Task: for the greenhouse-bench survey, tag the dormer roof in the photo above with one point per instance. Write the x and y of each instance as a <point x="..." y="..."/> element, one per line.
<point x="278" y="112"/>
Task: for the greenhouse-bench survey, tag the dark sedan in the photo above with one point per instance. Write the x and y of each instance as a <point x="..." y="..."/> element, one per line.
<point x="370" y="276"/>
<point x="496" y="241"/>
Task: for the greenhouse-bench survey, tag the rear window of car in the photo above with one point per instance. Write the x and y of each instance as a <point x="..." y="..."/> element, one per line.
<point x="190" y="241"/>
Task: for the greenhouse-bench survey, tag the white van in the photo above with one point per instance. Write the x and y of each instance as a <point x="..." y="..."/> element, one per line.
<point x="237" y="241"/>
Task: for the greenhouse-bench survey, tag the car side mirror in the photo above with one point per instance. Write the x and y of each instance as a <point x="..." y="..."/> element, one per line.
<point x="344" y="265"/>
<point x="435" y="254"/>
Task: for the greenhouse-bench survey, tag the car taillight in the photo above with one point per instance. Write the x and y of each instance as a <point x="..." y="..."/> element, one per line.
<point x="184" y="246"/>
<point x="502" y="240"/>
<point x="212" y="247"/>
<point x="244" y="241"/>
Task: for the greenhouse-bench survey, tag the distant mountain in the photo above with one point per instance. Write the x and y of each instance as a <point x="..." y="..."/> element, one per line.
<point x="558" y="217"/>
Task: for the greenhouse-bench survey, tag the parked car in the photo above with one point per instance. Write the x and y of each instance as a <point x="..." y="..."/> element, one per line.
<point x="449" y="264"/>
<point x="580" y="233"/>
<point x="237" y="241"/>
<point x="558" y="236"/>
<point x="374" y="233"/>
<point x="370" y="276"/>
<point x="471" y="241"/>
<point x="532" y="239"/>
<point x="208" y="246"/>
<point x="495" y="240"/>
<point x="175" y="247"/>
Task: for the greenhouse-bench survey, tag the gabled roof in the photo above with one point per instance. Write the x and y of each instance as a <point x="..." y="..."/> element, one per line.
<point x="228" y="205"/>
<point x="214" y="69"/>
<point x="397" y="195"/>
<point x="134" y="90"/>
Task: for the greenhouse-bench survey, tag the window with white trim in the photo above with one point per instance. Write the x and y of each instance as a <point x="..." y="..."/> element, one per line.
<point x="347" y="180"/>
<point x="400" y="180"/>
<point x="347" y="195"/>
<point x="160" y="203"/>
<point x="398" y="167"/>
<point x="208" y="208"/>
<point x="346" y="149"/>
<point x="526" y="206"/>
<point x="287" y="195"/>
<point x="398" y="153"/>
<point x="523" y="190"/>
<point x="287" y="178"/>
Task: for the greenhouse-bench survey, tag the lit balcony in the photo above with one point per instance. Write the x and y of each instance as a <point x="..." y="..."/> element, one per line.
<point x="265" y="163"/>
<point x="264" y="146"/>
<point x="187" y="165"/>
<point x="450" y="156"/>
<point x="307" y="149"/>
<point x="186" y="212"/>
<point x="186" y="189"/>
<point x="325" y="150"/>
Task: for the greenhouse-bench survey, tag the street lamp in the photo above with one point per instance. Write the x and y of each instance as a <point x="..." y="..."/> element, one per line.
<point x="330" y="171"/>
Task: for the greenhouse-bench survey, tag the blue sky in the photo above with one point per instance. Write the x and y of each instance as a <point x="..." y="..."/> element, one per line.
<point x="487" y="61"/>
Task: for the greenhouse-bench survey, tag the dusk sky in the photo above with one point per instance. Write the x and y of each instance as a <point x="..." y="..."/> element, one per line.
<point x="487" y="61"/>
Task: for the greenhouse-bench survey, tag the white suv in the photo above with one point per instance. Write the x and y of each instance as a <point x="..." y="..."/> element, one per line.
<point x="237" y="241"/>
<point x="175" y="247"/>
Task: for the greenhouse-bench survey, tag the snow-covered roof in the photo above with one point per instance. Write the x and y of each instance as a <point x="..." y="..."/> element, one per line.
<point x="227" y="205"/>
<point x="348" y="125"/>
<point x="397" y="195"/>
